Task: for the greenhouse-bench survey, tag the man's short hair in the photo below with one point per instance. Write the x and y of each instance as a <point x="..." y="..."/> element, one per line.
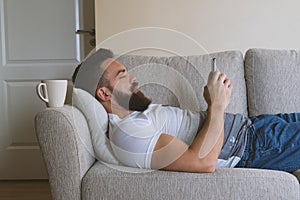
<point x="87" y="74"/>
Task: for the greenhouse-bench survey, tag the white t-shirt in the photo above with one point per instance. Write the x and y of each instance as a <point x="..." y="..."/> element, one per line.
<point x="133" y="138"/>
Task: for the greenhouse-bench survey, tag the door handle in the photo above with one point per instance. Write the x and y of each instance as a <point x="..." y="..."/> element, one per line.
<point x="92" y="32"/>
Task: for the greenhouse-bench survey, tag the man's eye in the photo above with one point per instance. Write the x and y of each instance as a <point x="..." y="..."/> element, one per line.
<point x="123" y="75"/>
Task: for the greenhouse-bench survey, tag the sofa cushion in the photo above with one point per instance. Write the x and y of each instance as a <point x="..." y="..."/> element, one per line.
<point x="179" y="80"/>
<point x="272" y="78"/>
<point x="97" y="120"/>
<point x="103" y="182"/>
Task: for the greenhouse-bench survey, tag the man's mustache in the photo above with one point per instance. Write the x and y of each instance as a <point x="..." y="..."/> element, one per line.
<point x="133" y="86"/>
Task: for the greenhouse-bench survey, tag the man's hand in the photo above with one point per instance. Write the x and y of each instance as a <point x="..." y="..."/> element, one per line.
<point x="218" y="90"/>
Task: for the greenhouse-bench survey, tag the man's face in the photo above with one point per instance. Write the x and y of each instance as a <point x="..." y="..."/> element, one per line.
<point x="124" y="87"/>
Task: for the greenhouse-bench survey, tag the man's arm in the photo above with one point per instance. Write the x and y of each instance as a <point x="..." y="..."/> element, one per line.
<point x="170" y="153"/>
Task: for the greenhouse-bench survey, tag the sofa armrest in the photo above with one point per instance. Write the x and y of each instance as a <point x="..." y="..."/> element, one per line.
<point x="60" y="132"/>
<point x="106" y="182"/>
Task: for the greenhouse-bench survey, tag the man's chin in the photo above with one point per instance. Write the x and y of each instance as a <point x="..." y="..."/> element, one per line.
<point x="136" y="101"/>
<point x="139" y="102"/>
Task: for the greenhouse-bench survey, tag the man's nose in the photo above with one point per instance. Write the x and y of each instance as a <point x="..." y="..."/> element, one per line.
<point x="132" y="78"/>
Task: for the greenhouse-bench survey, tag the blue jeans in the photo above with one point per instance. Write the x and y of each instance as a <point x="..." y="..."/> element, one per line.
<point x="273" y="142"/>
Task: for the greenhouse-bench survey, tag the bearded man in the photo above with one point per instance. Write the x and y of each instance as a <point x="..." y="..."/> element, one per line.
<point x="154" y="136"/>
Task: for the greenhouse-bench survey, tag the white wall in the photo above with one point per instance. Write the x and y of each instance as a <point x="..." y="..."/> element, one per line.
<point x="217" y="25"/>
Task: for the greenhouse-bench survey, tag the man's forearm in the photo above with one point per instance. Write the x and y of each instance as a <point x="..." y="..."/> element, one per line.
<point x="173" y="154"/>
<point x="209" y="140"/>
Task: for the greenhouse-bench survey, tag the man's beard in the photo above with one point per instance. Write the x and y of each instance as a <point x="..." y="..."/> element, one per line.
<point x="136" y="101"/>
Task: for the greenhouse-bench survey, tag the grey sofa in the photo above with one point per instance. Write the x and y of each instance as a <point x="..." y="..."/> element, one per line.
<point x="264" y="81"/>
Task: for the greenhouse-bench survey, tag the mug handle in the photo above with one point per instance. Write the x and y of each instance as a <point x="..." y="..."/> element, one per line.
<point x="40" y="93"/>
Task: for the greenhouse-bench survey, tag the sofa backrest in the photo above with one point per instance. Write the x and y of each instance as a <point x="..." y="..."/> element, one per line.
<point x="179" y="81"/>
<point x="273" y="81"/>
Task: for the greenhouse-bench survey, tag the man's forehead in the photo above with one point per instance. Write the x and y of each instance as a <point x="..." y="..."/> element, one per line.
<point x="111" y="65"/>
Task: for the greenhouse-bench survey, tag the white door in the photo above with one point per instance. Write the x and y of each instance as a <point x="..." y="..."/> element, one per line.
<point x="37" y="41"/>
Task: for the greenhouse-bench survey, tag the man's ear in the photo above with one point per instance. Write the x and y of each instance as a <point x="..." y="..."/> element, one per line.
<point x="103" y="93"/>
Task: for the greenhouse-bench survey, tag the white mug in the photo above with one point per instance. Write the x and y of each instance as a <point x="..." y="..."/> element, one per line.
<point x="54" y="92"/>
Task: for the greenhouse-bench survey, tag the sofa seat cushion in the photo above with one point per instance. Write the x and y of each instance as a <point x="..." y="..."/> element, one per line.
<point x="272" y="78"/>
<point x="106" y="182"/>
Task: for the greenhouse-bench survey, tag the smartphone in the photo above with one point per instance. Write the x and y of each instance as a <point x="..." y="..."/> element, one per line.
<point x="214" y="65"/>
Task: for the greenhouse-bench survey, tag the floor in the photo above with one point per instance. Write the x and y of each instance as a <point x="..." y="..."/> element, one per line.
<point x="25" y="190"/>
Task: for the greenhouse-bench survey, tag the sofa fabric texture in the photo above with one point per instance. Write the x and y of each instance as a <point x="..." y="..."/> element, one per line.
<point x="66" y="156"/>
<point x="74" y="173"/>
<point x="223" y="184"/>
<point x="272" y="81"/>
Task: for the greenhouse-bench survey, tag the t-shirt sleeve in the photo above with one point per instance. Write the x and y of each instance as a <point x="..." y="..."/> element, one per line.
<point x="133" y="142"/>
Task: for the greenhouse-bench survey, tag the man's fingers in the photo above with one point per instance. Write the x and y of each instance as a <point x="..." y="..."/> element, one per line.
<point x="217" y="76"/>
<point x="222" y="78"/>
<point x="227" y="83"/>
<point x="214" y="76"/>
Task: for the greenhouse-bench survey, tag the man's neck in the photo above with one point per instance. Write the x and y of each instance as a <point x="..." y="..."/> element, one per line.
<point x="117" y="110"/>
<point x="121" y="112"/>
